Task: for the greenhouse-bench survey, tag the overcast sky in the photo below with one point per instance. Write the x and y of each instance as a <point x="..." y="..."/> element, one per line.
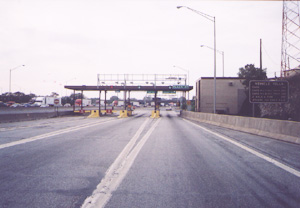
<point x="71" y="41"/>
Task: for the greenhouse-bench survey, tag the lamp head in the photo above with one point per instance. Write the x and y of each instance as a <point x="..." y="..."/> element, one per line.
<point x="178" y="7"/>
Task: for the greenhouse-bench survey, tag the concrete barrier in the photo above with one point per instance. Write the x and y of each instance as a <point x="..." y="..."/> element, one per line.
<point x="282" y="130"/>
<point x="27" y="116"/>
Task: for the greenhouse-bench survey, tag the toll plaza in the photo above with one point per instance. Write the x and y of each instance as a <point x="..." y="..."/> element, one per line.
<point x="128" y="83"/>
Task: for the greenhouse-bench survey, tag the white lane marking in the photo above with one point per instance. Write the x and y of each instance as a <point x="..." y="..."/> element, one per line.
<point x="118" y="170"/>
<point x="258" y="154"/>
<point x="55" y="133"/>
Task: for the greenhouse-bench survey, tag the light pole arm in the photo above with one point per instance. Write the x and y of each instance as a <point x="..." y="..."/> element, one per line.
<point x="211" y="18"/>
<point x="185" y="71"/>
<point x="10" y="76"/>
<point x="220" y="52"/>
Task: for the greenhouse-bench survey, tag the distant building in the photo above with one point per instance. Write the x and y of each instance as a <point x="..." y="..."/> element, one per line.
<point x="292" y="72"/>
<point x="230" y="95"/>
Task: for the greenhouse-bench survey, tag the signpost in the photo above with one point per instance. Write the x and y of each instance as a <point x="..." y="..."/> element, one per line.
<point x="268" y="91"/>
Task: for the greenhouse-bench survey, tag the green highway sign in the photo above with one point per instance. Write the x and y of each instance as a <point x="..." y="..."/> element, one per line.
<point x="150" y="92"/>
<point x="117" y="91"/>
<point x="169" y="92"/>
<point x="180" y="87"/>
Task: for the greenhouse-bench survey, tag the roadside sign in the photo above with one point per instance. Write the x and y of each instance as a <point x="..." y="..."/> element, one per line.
<point x="150" y="92"/>
<point x="117" y="91"/>
<point x="268" y="91"/>
<point x="56" y="101"/>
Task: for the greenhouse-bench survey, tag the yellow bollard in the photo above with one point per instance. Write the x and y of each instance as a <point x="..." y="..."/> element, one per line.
<point x="94" y="114"/>
<point x="155" y="114"/>
<point x="123" y="114"/>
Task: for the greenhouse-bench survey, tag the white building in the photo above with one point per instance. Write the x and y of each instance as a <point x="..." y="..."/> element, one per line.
<point x="292" y="72"/>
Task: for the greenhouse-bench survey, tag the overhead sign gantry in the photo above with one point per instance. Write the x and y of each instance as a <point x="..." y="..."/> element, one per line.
<point x="136" y="82"/>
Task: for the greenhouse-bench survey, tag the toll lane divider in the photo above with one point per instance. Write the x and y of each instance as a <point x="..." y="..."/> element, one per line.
<point x="55" y="133"/>
<point x="119" y="169"/>
<point x="281" y="130"/>
<point x="250" y="150"/>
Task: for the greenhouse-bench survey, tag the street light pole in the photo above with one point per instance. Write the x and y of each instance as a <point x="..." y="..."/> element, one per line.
<point x="10" y="76"/>
<point x="220" y="52"/>
<point x="186" y="70"/>
<point x="213" y="19"/>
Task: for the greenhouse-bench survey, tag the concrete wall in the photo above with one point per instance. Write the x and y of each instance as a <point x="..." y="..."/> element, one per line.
<point x="32" y="115"/>
<point x="282" y="130"/>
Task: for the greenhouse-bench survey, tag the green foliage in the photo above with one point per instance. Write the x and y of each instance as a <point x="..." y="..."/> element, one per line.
<point x="18" y="97"/>
<point x="250" y="72"/>
<point x="67" y="99"/>
<point x="288" y="110"/>
<point x="76" y="96"/>
<point x="113" y="98"/>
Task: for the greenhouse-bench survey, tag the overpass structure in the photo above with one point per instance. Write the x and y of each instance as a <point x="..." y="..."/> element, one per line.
<point x="135" y="82"/>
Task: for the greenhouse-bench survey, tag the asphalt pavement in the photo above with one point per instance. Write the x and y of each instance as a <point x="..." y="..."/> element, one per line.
<point x="143" y="162"/>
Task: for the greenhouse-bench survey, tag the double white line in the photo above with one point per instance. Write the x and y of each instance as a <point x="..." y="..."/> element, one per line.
<point x="119" y="169"/>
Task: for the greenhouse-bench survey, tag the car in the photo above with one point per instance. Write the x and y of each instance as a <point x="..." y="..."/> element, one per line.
<point x="9" y="103"/>
<point x="169" y="108"/>
<point x="2" y="104"/>
<point x="26" y="105"/>
<point x="15" y="105"/>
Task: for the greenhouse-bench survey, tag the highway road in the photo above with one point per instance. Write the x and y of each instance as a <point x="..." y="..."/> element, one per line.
<point x="143" y="162"/>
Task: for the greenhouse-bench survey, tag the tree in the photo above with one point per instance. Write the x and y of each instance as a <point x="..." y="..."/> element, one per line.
<point x="66" y="99"/>
<point x="18" y="97"/>
<point x="54" y="94"/>
<point x="113" y="98"/>
<point x="248" y="73"/>
<point x="76" y="96"/>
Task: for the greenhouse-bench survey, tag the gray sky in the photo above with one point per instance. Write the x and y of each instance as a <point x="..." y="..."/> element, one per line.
<point x="71" y="41"/>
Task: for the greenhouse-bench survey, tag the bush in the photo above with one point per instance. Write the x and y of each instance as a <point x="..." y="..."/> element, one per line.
<point x="290" y="110"/>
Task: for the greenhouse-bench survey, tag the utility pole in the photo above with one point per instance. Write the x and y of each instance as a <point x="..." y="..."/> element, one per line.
<point x="260" y="61"/>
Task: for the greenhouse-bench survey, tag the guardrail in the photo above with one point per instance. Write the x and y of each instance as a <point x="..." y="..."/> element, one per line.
<point x="277" y="129"/>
